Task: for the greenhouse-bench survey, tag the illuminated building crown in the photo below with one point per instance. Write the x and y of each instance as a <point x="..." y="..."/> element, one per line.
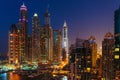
<point x="108" y="36"/>
<point x="23" y="7"/>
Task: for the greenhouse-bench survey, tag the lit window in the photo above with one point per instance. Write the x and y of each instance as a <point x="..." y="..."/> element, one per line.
<point x="88" y="69"/>
<point x="116" y="49"/>
<point x="116" y="57"/>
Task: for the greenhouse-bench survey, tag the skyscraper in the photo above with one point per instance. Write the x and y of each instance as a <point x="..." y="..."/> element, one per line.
<point x="116" y="56"/>
<point x="35" y="37"/>
<point x="81" y="63"/>
<point x="57" y="45"/>
<point x="93" y="46"/>
<point x="65" y="38"/>
<point x="23" y="22"/>
<point x="46" y="39"/>
<point x="107" y="56"/>
<point x="13" y="44"/>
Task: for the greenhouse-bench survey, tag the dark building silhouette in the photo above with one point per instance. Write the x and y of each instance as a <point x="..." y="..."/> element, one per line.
<point x="107" y="56"/>
<point x="116" y="56"/>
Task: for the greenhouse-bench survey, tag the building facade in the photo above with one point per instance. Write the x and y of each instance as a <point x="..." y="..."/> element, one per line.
<point x="93" y="46"/>
<point x="13" y="44"/>
<point x="65" y="39"/>
<point x="35" y="38"/>
<point x="116" y="56"/>
<point x="46" y="40"/>
<point x="81" y="62"/>
<point x="23" y="35"/>
<point x="56" y="46"/>
<point x="107" y="56"/>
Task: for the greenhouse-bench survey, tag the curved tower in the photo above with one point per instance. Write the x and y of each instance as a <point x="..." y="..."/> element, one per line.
<point x="13" y="45"/>
<point x="65" y="38"/>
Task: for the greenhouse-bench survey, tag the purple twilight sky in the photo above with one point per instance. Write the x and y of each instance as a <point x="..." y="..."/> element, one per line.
<point x="84" y="17"/>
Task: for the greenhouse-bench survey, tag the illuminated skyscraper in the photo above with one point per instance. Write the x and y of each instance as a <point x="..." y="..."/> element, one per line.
<point x="13" y="44"/>
<point x="46" y="38"/>
<point x="117" y="43"/>
<point x="23" y="22"/>
<point x="35" y="38"/>
<point x="57" y="45"/>
<point x="93" y="46"/>
<point x="107" y="56"/>
<point x="65" y="38"/>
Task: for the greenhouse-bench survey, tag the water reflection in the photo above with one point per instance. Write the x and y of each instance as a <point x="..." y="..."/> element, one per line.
<point x="9" y="76"/>
<point x="3" y="76"/>
<point x="13" y="76"/>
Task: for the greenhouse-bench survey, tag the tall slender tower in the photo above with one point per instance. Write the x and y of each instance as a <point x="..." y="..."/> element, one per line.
<point x="35" y="37"/>
<point x="65" y="38"/>
<point x="23" y="21"/>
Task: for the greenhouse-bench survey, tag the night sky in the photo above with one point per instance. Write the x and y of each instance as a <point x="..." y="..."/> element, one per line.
<point x="84" y="17"/>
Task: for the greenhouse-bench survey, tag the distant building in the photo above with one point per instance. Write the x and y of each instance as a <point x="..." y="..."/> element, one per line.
<point x="3" y="58"/>
<point x="43" y="45"/>
<point x="107" y="57"/>
<point x="13" y="45"/>
<point x="57" y="46"/>
<point x="93" y="46"/>
<point x="65" y="39"/>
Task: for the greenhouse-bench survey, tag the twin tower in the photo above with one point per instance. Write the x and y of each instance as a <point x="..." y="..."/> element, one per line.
<point x="43" y="45"/>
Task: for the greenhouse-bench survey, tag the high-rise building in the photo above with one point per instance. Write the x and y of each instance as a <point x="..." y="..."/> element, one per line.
<point x="23" y="22"/>
<point x="35" y="38"/>
<point x="93" y="46"/>
<point x="107" y="56"/>
<point x="81" y="62"/>
<point x="116" y="56"/>
<point x="56" y="46"/>
<point x="99" y="66"/>
<point x="65" y="38"/>
<point x="46" y="40"/>
<point x="13" y="44"/>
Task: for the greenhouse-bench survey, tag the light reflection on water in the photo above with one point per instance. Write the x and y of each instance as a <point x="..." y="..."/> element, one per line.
<point x="3" y="76"/>
<point x="13" y="76"/>
<point x="9" y="76"/>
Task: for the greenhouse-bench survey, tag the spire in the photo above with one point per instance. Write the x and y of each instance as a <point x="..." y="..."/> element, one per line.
<point x="47" y="17"/>
<point x="23" y="4"/>
<point x="65" y="24"/>
<point x="23" y="7"/>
